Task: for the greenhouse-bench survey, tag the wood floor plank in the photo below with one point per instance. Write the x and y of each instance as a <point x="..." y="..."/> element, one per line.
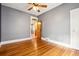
<point x="36" y="48"/>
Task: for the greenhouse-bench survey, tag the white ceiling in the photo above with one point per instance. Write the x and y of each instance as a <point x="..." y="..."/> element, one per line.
<point x="24" y="7"/>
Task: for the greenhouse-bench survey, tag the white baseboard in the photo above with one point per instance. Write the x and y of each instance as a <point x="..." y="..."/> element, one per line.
<point x="59" y="43"/>
<point x="47" y="39"/>
<point x="12" y="41"/>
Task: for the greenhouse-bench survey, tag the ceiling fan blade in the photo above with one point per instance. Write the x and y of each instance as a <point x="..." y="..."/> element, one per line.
<point x="30" y="8"/>
<point x="30" y="3"/>
<point x="45" y="6"/>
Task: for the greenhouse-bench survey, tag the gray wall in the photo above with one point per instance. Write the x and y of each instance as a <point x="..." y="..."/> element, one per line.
<point x="14" y="24"/>
<point x="0" y="22"/>
<point x="56" y="23"/>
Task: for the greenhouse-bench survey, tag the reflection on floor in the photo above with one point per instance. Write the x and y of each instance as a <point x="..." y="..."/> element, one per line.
<point x="33" y="48"/>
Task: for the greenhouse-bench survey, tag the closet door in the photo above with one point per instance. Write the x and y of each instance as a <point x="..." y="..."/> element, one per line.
<point x="74" y="20"/>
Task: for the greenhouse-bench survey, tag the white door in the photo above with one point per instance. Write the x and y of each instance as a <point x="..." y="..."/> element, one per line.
<point x="74" y="20"/>
<point x="32" y="25"/>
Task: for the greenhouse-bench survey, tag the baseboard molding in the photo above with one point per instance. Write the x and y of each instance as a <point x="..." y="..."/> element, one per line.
<point x="59" y="43"/>
<point x="47" y="39"/>
<point x="13" y="41"/>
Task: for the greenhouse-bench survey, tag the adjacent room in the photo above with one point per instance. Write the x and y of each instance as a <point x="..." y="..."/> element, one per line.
<point x="39" y="29"/>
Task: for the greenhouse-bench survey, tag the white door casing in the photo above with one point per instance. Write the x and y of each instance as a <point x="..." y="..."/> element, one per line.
<point x="74" y="24"/>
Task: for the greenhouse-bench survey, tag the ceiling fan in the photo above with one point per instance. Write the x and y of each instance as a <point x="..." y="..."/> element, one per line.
<point x="36" y="6"/>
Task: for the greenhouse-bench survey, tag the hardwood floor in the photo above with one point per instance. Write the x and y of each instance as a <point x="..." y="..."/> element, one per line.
<point x="39" y="48"/>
